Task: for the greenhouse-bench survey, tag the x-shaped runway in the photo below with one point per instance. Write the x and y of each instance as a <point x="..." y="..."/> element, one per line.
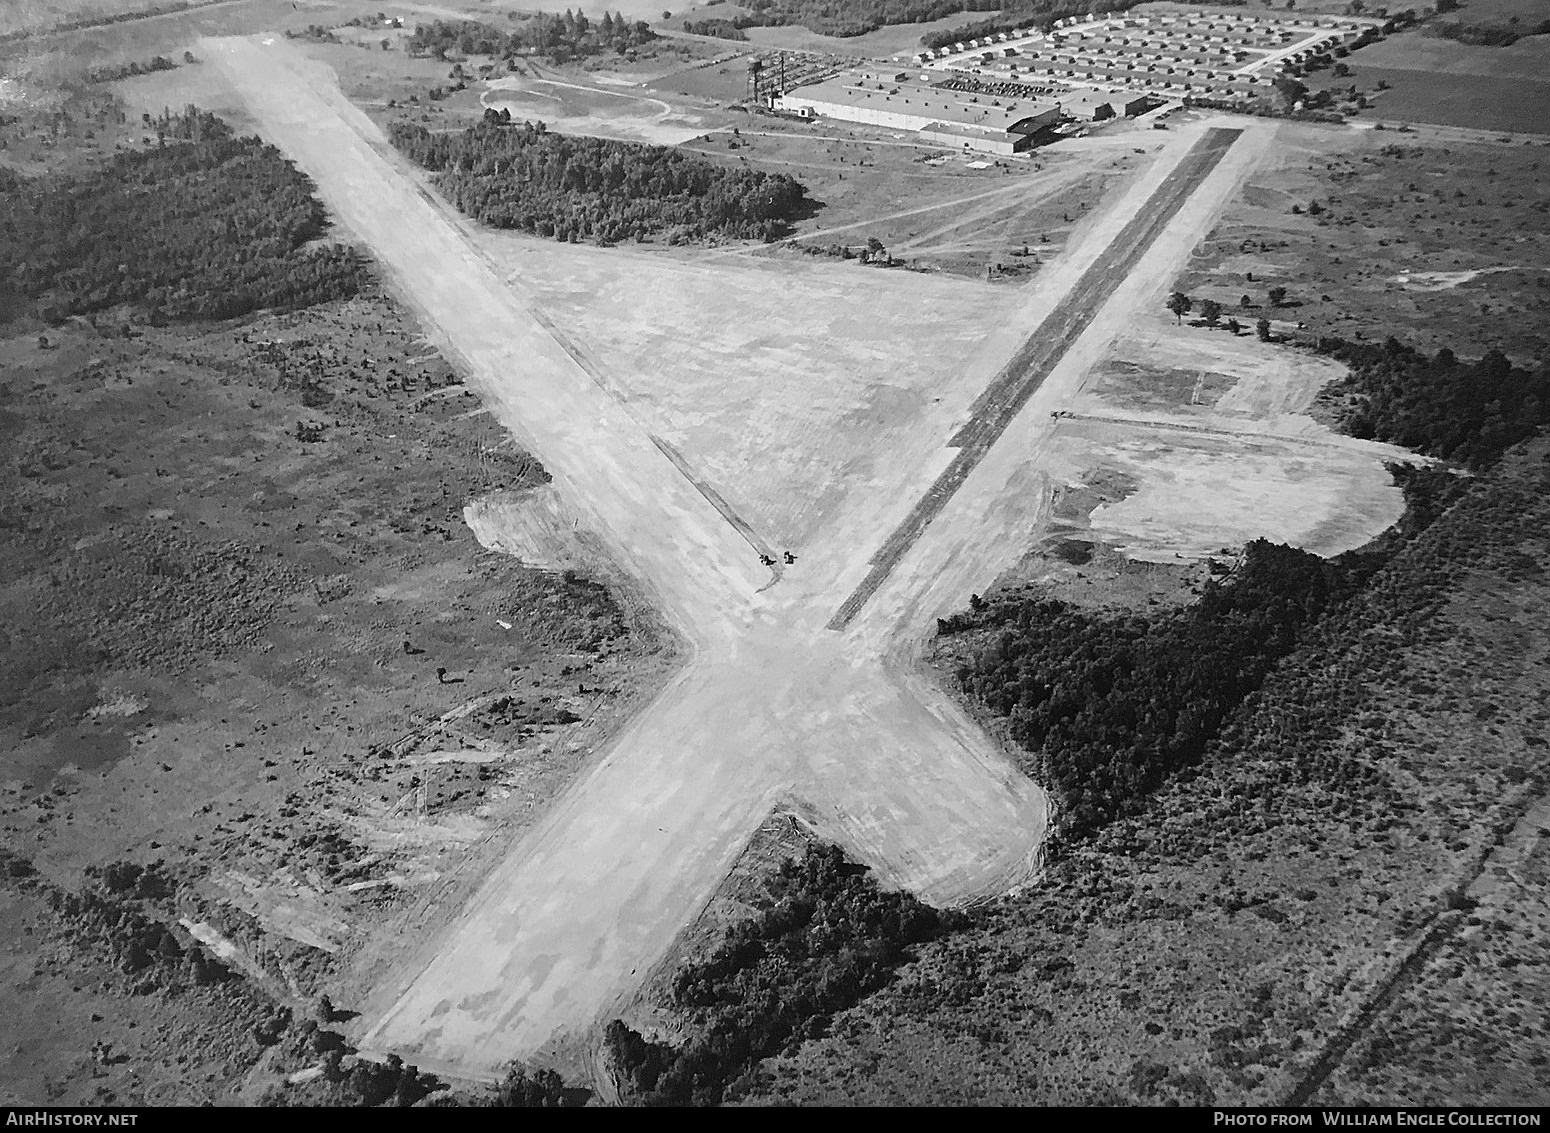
<point x="804" y="690"/>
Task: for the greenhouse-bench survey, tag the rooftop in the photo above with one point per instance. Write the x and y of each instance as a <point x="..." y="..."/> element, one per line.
<point x="905" y="95"/>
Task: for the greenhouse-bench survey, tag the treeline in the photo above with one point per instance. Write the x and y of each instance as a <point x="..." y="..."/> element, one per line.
<point x="831" y="937"/>
<point x="571" y="188"/>
<point x="718" y="29"/>
<point x="126" y="70"/>
<point x="1108" y="707"/>
<point x="1018" y="14"/>
<point x="1444" y="406"/>
<point x="205" y="225"/>
<point x="571" y="35"/>
<point x="857" y="17"/>
<point x="1485" y="35"/>
<point x="98" y="21"/>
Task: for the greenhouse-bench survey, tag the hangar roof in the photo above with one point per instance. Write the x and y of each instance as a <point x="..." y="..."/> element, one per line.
<point x="876" y="90"/>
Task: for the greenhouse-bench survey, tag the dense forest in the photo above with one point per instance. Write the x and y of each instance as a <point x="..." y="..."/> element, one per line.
<point x="571" y="36"/>
<point x="204" y="225"/>
<point x="1466" y="412"/>
<point x="525" y="177"/>
<point x="1109" y="706"/>
<point x="830" y="937"/>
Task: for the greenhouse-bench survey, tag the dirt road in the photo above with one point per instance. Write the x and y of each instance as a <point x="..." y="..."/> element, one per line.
<point x="770" y="703"/>
<point x="1005" y="397"/>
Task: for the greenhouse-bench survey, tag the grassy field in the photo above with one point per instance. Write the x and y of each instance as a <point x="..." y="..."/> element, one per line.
<point x="898" y="39"/>
<point x="252" y="567"/>
<point x="929" y="207"/>
<point x="1473" y="101"/>
<point x="1438" y="241"/>
<point x="43" y="62"/>
<point x="720" y="84"/>
<point x="1498" y="11"/>
<point x="43" y="15"/>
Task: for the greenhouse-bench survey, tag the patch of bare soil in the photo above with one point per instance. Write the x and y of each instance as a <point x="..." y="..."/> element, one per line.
<point x="249" y="632"/>
<point x="1340" y="905"/>
<point x="1070" y="562"/>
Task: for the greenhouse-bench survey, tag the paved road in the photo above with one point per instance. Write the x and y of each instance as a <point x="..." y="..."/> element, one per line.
<point x="770" y="704"/>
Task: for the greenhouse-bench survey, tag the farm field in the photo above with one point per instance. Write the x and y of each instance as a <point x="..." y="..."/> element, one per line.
<point x="1475" y="101"/>
<point x="1437" y="80"/>
<point x="895" y="40"/>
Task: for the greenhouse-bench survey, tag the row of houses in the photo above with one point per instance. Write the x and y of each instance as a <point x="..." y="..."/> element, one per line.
<point x="1161" y="78"/>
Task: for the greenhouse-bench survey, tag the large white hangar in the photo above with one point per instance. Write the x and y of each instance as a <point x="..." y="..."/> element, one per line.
<point x="896" y="101"/>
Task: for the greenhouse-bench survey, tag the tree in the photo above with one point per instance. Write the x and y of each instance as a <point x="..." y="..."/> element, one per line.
<point x="1234" y="325"/>
<point x="1245" y="302"/>
<point x="1211" y="311"/>
<point x="1262" y="328"/>
<point x="1277" y="296"/>
<point x="543" y="1089"/>
<point x="1180" y="304"/>
<point x="1290" y="89"/>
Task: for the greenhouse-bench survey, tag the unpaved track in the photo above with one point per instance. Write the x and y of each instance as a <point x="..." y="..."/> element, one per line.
<point x="1000" y="403"/>
<point x="769" y="704"/>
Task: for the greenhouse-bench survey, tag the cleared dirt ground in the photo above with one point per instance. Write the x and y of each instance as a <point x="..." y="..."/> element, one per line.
<point x="614" y="843"/>
<point x="891" y="767"/>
